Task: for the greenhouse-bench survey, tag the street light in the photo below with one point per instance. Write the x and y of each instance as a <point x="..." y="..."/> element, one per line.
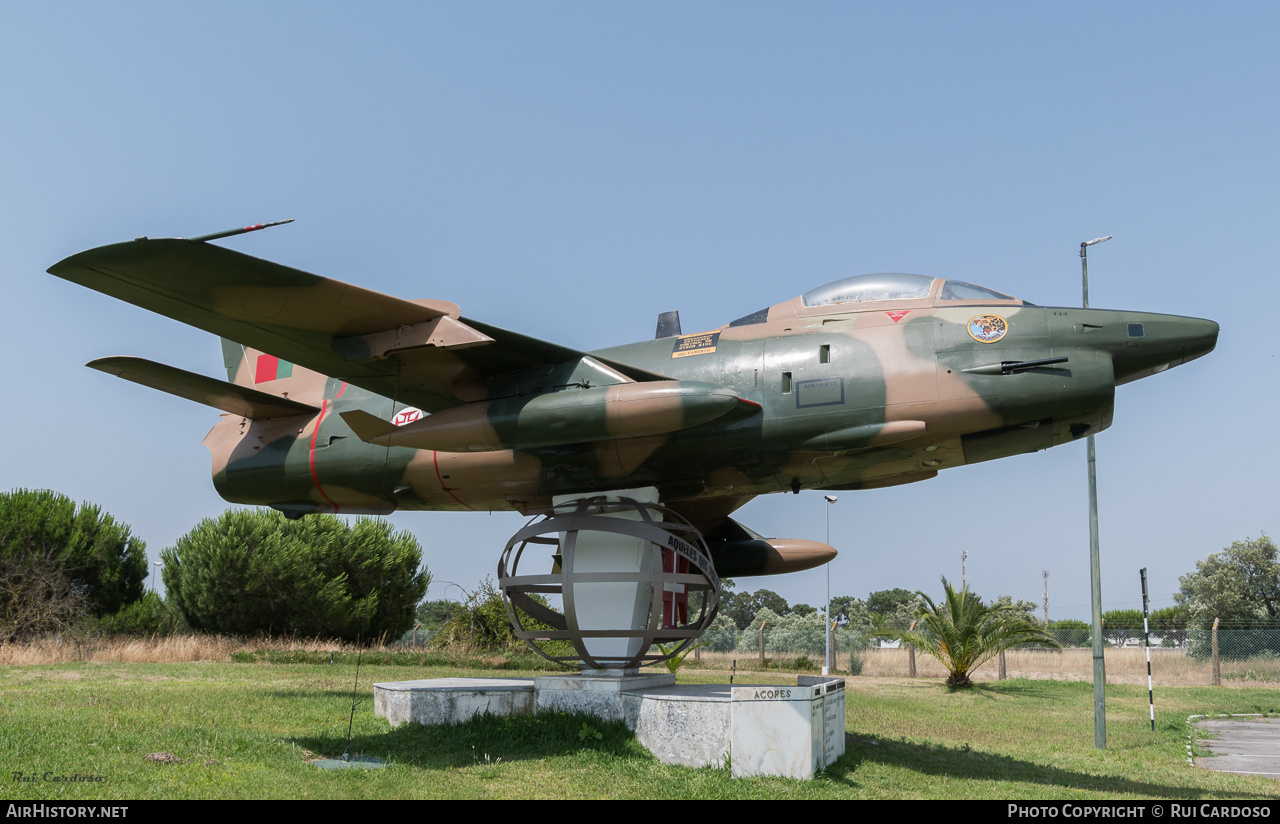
<point x="826" y="624"/>
<point x="1095" y="563"/>
<point x="157" y="565"/>
<point x="1084" y="264"/>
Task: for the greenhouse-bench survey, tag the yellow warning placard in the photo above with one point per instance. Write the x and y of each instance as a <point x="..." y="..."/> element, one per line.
<point x="703" y="343"/>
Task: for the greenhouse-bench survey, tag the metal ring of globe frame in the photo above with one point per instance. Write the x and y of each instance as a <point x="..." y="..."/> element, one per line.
<point x="674" y="533"/>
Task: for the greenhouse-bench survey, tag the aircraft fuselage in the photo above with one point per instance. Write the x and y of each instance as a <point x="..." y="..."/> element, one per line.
<point x="850" y="396"/>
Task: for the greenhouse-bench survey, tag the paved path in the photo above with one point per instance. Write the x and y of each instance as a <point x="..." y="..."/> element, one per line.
<point x="1248" y="745"/>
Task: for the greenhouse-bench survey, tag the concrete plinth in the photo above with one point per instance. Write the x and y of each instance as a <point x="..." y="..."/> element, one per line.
<point x="770" y="730"/>
<point x="598" y="695"/>
<point x="687" y="725"/>
<point x="787" y="731"/>
<point x="451" y="700"/>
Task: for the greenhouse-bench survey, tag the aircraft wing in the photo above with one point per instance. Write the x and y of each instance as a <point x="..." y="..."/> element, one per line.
<point x="421" y="352"/>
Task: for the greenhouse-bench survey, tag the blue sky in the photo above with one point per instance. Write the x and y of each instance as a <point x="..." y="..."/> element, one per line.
<point x="570" y="170"/>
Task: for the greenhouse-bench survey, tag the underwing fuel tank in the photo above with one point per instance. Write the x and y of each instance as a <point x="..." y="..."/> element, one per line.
<point x="628" y="410"/>
<point x="738" y="550"/>
<point x="768" y="556"/>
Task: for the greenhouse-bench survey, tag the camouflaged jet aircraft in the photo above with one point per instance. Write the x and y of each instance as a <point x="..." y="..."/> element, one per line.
<point x="340" y="399"/>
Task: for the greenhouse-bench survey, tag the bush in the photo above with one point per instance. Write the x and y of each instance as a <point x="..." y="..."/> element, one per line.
<point x="37" y="597"/>
<point x="58" y="562"/>
<point x="481" y="623"/>
<point x="791" y="633"/>
<point x="251" y="572"/>
<point x="722" y="635"/>
<point x="150" y="615"/>
<point x="1072" y="633"/>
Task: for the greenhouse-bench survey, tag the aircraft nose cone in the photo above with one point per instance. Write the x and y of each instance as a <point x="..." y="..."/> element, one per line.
<point x="1154" y="343"/>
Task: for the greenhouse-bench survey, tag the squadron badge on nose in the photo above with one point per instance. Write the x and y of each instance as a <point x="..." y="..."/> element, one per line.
<point x="988" y="328"/>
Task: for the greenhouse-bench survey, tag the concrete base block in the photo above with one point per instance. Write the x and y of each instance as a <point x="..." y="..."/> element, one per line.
<point x="771" y="730"/>
<point x="689" y="726"/>
<point x="451" y="700"/>
<point x="788" y="731"/>
<point x="601" y="696"/>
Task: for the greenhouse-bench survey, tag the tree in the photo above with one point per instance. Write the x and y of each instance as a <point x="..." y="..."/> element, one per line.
<point x="722" y="635"/>
<point x="1240" y="585"/>
<point x="1071" y="632"/>
<point x="433" y="614"/>
<point x="742" y="607"/>
<point x="847" y="609"/>
<point x="36" y="597"/>
<point x="254" y="571"/>
<point x="1169" y="619"/>
<point x="750" y="638"/>
<point x="58" y="561"/>
<point x="1119" y="625"/>
<point x="1170" y="624"/>
<point x="901" y="616"/>
<point x="885" y="602"/>
<point x="963" y="633"/>
<point x="1027" y="609"/>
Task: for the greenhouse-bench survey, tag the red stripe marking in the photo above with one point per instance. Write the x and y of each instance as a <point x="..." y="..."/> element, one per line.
<point x="435" y="456"/>
<point x="324" y="406"/>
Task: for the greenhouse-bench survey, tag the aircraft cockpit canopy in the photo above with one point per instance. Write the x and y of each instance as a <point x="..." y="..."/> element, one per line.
<point x="898" y="289"/>
<point x="895" y="286"/>
<point x="862" y="288"/>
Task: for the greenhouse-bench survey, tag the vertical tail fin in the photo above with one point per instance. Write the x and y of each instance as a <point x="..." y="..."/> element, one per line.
<point x="268" y="373"/>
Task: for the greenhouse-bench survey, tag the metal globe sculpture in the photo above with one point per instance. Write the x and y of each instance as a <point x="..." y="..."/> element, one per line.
<point x="624" y="570"/>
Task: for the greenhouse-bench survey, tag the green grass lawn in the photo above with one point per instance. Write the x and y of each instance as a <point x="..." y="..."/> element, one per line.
<point x="250" y="730"/>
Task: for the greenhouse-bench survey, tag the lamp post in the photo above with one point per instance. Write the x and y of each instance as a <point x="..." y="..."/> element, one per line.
<point x="157" y="565"/>
<point x="826" y="624"/>
<point x="1095" y="563"/>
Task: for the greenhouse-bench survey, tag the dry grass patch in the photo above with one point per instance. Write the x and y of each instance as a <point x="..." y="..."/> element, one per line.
<point x="1169" y="667"/>
<point x="168" y="649"/>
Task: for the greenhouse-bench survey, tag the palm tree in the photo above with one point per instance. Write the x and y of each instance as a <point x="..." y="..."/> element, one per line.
<point x="963" y="633"/>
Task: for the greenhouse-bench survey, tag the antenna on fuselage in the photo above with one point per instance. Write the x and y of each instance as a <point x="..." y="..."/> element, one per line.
<point x="668" y="325"/>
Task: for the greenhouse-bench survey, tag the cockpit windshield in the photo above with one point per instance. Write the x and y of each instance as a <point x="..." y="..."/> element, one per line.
<point x="959" y="290"/>
<point x="862" y="288"/>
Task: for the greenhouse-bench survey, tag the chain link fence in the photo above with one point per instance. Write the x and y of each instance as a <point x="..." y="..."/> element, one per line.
<point x="1183" y="657"/>
<point x="1229" y="655"/>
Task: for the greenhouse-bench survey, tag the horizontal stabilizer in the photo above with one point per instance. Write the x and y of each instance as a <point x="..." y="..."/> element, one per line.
<point x="368" y="427"/>
<point x="238" y="400"/>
